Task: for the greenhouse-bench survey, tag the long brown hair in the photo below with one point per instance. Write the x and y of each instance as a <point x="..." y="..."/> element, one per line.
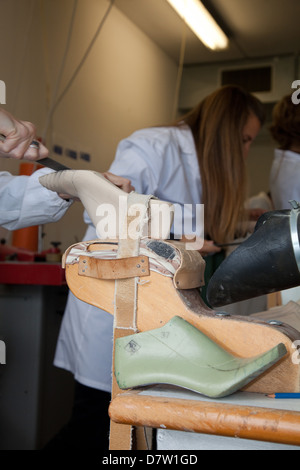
<point x="217" y="123"/>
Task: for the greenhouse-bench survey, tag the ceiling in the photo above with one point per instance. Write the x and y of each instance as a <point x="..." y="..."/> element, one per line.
<point x="256" y="28"/>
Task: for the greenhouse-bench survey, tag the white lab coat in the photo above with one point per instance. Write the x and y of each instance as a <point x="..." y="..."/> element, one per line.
<point x="25" y="202"/>
<point x="285" y="178"/>
<point x="158" y="161"/>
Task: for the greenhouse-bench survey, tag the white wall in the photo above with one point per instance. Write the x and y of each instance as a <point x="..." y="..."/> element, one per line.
<point x="126" y="83"/>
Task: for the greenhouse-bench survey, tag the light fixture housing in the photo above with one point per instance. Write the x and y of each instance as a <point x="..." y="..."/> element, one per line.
<point x="201" y="23"/>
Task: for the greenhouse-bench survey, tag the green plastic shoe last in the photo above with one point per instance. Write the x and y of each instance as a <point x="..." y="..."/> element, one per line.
<point x="180" y="354"/>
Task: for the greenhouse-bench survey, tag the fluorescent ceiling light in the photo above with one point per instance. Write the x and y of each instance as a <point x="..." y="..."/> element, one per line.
<point x="201" y="23"/>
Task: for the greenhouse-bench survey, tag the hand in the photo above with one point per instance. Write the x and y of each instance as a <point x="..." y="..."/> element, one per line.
<point x="205" y="247"/>
<point x="19" y="136"/>
<point x="209" y="248"/>
<point x="254" y="214"/>
<point x="123" y="183"/>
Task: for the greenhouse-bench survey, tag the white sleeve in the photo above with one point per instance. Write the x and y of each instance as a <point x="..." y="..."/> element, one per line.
<point x="139" y="158"/>
<point x="25" y="202"/>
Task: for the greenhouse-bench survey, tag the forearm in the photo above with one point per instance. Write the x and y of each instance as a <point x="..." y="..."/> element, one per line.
<point x="24" y="202"/>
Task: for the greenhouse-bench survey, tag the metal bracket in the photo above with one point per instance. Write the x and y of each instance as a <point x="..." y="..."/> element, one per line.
<point x="295" y="211"/>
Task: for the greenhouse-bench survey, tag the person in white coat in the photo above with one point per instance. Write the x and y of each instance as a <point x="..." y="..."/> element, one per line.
<point x="200" y="158"/>
<point x="285" y="170"/>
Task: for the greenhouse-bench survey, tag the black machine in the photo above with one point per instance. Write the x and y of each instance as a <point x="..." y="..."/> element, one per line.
<point x="266" y="262"/>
